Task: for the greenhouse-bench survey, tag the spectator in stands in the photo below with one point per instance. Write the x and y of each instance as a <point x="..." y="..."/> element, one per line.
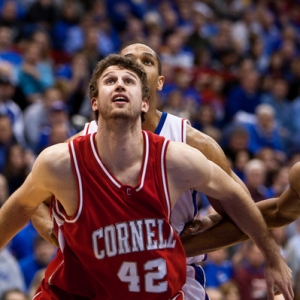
<point x="11" y="276"/>
<point x="214" y="293"/>
<point x="15" y="169"/>
<point x="14" y="294"/>
<point x="294" y="89"/>
<point x="7" y="49"/>
<point x="182" y="81"/>
<point x="294" y="116"/>
<point x="10" y="16"/>
<point x="7" y="139"/>
<point x="255" y="176"/>
<point x="74" y="79"/>
<point x="43" y="252"/>
<point x="9" y="107"/>
<point x="256" y="53"/>
<point x="37" y="115"/>
<point x="249" y="276"/>
<point x="34" y="75"/>
<point x="244" y="97"/>
<point x="195" y="40"/>
<point x="40" y="14"/>
<point x="273" y="161"/>
<point x="22" y="243"/>
<point x="218" y="269"/>
<point x="277" y="98"/>
<point x="175" y="105"/>
<point x="230" y="291"/>
<point x="235" y="139"/>
<point x="59" y="128"/>
<point x="205" y="121"/>
<point x="239" y="162"/>
<point x="264" y="132"/>
<point x="280" y="181"/>
<point x="175" y="53"/>
<point x="43" y="39"/>
<point x="69" y="15"/>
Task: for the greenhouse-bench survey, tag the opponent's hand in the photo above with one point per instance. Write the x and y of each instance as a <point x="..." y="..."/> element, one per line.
<point x="197" y="225"/>
<point x="279" y="275"/>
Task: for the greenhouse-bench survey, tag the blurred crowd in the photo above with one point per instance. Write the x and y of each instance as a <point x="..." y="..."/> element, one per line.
<point x="232" y="67"/>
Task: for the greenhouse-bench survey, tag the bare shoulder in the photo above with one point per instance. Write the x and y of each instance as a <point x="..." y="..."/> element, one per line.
<point x="183" y="157"/>
<point x="208" y="146"/>
<point x="186" y="166"/>
<point x="53" y="162"/>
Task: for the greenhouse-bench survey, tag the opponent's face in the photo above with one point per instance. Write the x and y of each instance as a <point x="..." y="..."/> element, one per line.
<point x="120" y="95"/>
<point x="146" y="57"/>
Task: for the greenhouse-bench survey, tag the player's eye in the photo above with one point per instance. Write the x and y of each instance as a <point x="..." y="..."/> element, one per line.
<point x="148" y="62"/>
<point x="129" y="81"/>
<point x="110" y="81"/>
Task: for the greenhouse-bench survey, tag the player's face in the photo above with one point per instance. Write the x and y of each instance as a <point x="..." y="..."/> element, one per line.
<point x="147" y="58"/>
<point x="120" y="95"/>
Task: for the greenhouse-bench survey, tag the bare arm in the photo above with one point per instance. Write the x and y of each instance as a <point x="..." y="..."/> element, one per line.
<point x="193" y="170"/>
<point x="41" y="218"/>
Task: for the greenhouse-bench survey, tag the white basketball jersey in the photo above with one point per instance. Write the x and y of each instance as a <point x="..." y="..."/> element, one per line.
<point x="174" y="129"/>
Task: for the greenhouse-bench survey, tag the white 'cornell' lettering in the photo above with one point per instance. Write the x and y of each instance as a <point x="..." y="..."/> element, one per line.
<point x="134" y="236"/>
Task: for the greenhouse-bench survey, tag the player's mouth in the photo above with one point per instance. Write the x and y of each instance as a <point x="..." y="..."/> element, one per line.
<point x="119" y="98"/>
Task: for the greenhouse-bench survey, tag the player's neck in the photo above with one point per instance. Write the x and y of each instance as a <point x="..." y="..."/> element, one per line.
<point x="120" y="148"/>
<point x="151" y="120"/>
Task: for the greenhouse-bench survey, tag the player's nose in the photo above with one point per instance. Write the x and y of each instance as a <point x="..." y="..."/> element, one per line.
<point x="120" y="86"/>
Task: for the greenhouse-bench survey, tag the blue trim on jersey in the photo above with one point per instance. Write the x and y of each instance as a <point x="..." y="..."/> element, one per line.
<point x="161" y="123"/>
<point x="200" y="277"/>
<point x="194" y="195"/>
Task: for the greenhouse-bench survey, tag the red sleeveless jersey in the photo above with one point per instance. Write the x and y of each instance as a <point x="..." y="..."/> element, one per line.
<point x="119" y="244"/>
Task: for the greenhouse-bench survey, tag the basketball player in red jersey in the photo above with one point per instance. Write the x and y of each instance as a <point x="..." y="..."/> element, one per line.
<point x="114" y="207"/>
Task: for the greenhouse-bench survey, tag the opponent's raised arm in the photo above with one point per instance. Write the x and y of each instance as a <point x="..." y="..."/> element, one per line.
<point x="188" y="168"/>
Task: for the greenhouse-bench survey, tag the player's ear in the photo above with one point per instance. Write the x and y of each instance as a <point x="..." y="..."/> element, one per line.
<point x="94" y="104"/>
<point x="145" y="105"/>
<point x="161" y="81"/>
